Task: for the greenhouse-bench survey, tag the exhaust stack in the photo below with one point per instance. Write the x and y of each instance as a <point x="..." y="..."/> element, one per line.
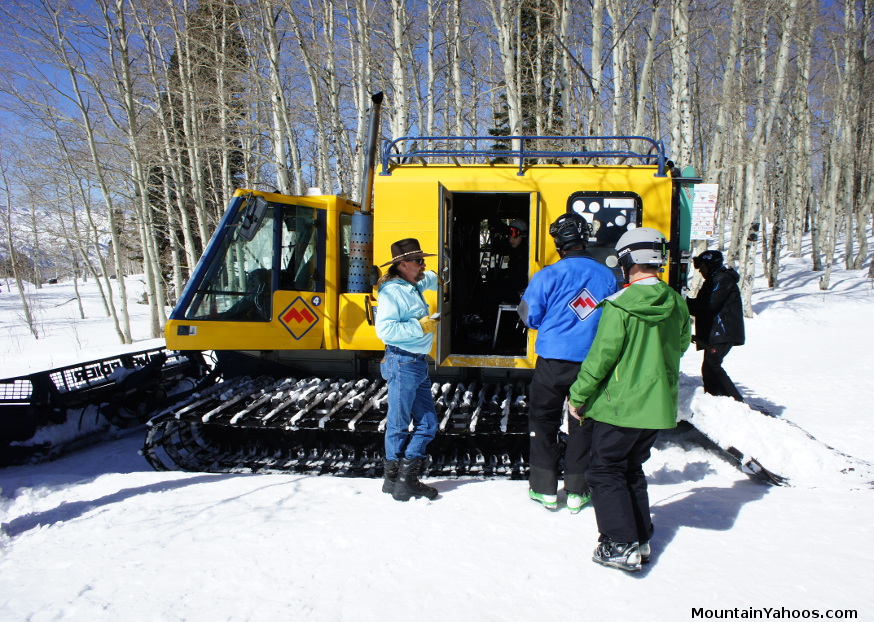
<point x="370" y="153"/>
<point x="361" y="271"/>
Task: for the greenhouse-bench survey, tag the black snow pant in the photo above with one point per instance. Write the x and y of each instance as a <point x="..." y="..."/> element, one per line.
<point x="618" y="484"/>
<point x="549" y="388"/>
<point x="716" y="380"/>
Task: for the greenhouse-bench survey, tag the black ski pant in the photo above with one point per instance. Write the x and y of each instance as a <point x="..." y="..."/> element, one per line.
<point x="619" y="491"/>
<point x="716" y="380"/>
<point x="549" y="388"/>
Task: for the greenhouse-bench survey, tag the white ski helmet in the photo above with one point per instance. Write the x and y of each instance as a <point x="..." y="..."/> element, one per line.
<point x="643" y="246"/>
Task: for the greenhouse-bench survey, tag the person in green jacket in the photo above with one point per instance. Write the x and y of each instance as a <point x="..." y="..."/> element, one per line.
<point x="628" y="386"/>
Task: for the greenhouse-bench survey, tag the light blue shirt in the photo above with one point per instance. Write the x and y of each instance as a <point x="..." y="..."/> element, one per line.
<point x="400" y="305"/>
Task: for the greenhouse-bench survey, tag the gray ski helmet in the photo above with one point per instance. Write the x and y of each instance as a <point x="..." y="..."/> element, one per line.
<point x="570" y="230"/>
<point x="643" y="246"/>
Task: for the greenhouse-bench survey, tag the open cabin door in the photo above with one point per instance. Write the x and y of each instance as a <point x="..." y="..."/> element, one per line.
<point x="488" y="244"/>
<point x="444" y="291"/>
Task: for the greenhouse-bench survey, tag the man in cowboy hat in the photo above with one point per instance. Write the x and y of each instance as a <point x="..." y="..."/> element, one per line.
<point x="404" y="325"/>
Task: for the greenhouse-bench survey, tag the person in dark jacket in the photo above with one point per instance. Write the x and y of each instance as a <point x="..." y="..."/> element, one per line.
<point x="561" y="304"/>
<point x="719" y="321"/>
<point x="628" y="386"/>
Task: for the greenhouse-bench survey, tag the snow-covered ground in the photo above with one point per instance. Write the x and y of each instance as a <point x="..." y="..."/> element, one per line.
<point x="98" y="535"/>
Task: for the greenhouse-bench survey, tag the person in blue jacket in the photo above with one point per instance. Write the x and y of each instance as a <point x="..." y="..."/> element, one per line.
<point x="403" y="323"/>
<point x="561" y="303"/>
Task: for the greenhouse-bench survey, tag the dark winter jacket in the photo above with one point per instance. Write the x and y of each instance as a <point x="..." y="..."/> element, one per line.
<point x="718" y="311"/>
<point x="630" y="378"/>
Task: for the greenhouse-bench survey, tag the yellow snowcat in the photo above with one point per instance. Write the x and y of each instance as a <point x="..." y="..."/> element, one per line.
<point x="284" y="297"/>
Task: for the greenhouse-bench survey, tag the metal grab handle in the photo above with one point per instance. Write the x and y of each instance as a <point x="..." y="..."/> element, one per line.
<point x="368" y="310"/>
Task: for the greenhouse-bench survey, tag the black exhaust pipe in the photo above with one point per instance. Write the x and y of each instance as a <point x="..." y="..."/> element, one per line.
<point x="370" y="152"/>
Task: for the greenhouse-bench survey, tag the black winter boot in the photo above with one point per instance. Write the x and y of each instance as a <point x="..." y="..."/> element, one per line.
<point x="408" y="484"/>
<point x="390" y="475"/>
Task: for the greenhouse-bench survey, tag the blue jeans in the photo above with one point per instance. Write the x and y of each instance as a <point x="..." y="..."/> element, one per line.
<point x="409" y="399"/>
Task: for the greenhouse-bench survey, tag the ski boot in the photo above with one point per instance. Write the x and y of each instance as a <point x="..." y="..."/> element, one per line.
<point x="645" y="552"/>
<point x="550" y="502"/>
<point x="622" y="555"/>
<point x="576" y="502"/>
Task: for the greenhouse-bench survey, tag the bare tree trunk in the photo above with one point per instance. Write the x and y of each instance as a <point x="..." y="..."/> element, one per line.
<point x="596" y="120"/>
<point x="505" y="17"/>
<point x="644" y="93"/>
<point x="455" y="59"/>
<point x="681" y="104"/>
<point x="278" y="107"/>
<point x="800" y="166"/>
<point x="9" y="225"/>
<point x="400" y="117"/>
<point x="715" y="166"/>
<point x="119" y="54"/>
<point x="318" y="100"/>
<point x="122" y="320"/>
<point x="616" y="9"/>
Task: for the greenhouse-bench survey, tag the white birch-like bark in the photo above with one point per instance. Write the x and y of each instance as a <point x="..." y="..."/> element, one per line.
<point x="190" y="123"/>
<point x="716" y="161"/>
<point x="119" y="55"/>
<point x="121" y="320"/>
<point x="318" y="99"/>
<point x="596" y="117"/>
<point x="681" y="104"/>
<point x="645" y="94"/>
<point x="270" y="18"/>
<point x="400" y="108"/>
<point x="765" y="113"/>
<point x="505" y="17"/>
<point x="9" y="225"/>
<point x="616" y="10"/>
<point x="455" y="67"/>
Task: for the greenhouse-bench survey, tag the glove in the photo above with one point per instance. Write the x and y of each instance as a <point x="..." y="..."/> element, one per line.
<point x="429" y="325"/>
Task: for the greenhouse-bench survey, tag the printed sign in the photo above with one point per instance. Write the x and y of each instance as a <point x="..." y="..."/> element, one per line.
<point x="298" y="318"/>
<point x="704" y="211"/>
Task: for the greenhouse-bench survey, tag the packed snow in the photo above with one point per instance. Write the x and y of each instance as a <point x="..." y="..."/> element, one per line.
<point x="98" y="535"/>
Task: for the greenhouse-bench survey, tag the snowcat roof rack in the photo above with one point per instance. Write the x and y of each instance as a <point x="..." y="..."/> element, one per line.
<point x="615" y="150"/>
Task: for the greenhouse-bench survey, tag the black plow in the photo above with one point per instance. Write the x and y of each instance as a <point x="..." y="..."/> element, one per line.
<point x="46" y="413"/>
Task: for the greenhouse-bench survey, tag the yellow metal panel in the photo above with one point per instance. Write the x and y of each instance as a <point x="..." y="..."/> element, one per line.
<point x="297" y="324"/>
<point x="406" y="202"/>
<point x="410" y="196"/>
<point x="355" y="332"/>
<point x="502" y="362"/>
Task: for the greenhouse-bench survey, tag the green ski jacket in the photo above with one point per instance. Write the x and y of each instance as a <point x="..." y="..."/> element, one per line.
<point x="630" y="376"/>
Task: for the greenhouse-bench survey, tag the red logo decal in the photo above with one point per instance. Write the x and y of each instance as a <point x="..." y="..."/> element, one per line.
<point x="583" y="304"/>
<point x="298" y="318"/>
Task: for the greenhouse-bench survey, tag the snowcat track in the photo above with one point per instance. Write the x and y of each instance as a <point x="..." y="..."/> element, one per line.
<point x="336" y="426"/>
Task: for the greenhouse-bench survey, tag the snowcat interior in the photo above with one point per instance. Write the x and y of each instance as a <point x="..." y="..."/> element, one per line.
<point x="485" y="287"/>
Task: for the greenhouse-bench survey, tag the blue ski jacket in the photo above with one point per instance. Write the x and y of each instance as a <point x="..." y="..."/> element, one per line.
<point x="561" y="303"/>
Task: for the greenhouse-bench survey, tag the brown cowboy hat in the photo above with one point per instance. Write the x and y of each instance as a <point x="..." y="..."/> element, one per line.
<point x="406" y="250"/>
